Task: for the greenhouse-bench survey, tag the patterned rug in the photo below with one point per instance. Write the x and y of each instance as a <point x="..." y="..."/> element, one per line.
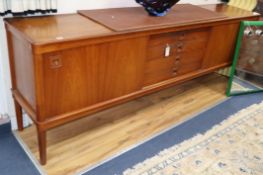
<point x="234" y="147"/>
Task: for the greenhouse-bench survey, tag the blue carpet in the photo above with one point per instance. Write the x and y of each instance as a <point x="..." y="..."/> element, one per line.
<point x="199" y="124"/>
<point x="13" y="159"/>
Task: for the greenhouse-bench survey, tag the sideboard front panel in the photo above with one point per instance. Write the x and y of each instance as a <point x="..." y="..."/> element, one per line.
<point x="85" y="76"/>
<point x="221" y="45"/>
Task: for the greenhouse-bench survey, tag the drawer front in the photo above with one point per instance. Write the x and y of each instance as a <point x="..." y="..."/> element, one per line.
<point x="189" y="40"/>
<point x="190" y="61"/>
<point x="199" y="34"/>
<point x="173" y="54"/>
<point x="158" y="70"/>
<point x="162" y="39"/>
<point x="190" y="46"/>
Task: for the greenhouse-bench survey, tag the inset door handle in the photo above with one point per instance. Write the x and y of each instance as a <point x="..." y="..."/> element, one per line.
<point x="181" y="38"/>
<point x="55" y="61"/>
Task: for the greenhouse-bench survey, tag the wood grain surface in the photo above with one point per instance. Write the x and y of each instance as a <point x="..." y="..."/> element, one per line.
<point x="88" y="141"/>
<point x="51" y="29"/>
<point x="92" y="74"/>
<point x="136" y="18"/>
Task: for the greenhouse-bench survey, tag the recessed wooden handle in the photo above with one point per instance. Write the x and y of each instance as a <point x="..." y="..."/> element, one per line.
<point x="174" y="73"/>
<point x="180" y="45"/>
<point x="55" y="61"/>
<point x="178" y="57"/>
<point x="179" y="50"/>
<point x="182" y="37"/>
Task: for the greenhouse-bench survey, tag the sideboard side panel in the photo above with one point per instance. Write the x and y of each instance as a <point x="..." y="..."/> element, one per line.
<point x="24" y="70"/>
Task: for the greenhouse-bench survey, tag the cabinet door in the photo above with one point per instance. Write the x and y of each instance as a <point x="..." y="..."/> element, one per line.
<point x="81" y="77"/>
<point x="221" y="45"/>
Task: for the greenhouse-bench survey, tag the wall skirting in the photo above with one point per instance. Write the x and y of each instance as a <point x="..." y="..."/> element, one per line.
<point x="4" y="119"/>
<point x="6" y="100"/>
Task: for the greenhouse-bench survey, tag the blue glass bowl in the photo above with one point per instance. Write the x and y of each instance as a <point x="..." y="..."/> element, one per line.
<point x="157" y="7"/>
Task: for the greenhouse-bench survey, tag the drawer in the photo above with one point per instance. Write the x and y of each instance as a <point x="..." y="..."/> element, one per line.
<point x="190" y="61"/>
<point x="194" y="35"/>
<point x="165" y="38"/>
<point x="177" y="42"/>
<point x="158" y="51"/>
<point x="157" y="70"/>
<point x="159" y="65"/>
<point x="189" y="57"/>
<point x="191" y="46"/>
<point x="186" y="51"/>
<point x="162" y="39"/>
<point x="157" y="76"/>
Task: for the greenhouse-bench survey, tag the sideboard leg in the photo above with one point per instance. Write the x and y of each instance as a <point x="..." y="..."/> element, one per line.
<point x="19" y="116"/>
<point x="42" y="145"/>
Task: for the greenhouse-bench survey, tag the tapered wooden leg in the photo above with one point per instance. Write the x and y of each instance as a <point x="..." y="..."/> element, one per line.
<point x="42" y="145"/>
<point x="19" y="116"/>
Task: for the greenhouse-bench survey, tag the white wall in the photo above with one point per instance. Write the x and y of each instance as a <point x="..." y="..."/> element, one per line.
<point x="64" y="6"/>
<point x="69" y="6"/>
<point x="6" y="102"/>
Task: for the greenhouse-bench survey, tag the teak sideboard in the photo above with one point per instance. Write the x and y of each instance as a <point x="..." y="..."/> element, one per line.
<point x="65" y="67"/>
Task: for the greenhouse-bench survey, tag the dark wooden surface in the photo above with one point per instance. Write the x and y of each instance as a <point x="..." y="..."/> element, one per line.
<point x="136" y="18"/>
<point x="66" y="67"/>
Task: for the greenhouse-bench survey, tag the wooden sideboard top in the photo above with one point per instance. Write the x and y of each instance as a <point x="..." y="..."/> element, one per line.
<point x="60" y="28"/>
<point x="137" y="19"/>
